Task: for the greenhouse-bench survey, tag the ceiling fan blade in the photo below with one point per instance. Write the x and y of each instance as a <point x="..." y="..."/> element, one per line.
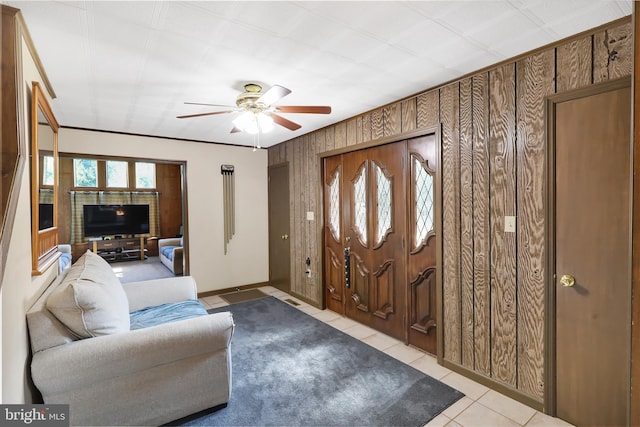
<point x="275" y="93"/>
<point x="285" y="122"/>
<point x="210" y="105"/>
<point x="304" y="109"/>
<point x="205" y="114"/>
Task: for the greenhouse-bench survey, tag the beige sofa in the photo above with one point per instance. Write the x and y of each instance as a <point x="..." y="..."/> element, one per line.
<point x="117" y="376"/>
<point x="170" y="252"/>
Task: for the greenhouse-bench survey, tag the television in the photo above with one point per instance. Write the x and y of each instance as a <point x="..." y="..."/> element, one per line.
<point x="45" y="216"/>
<point x="110" y="220"/>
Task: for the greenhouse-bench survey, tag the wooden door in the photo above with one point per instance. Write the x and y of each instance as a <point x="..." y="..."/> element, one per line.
<point x="334" y="272"/>
<point x="375" y="228"/>
<point x="422" y="238"/>
<point x="279" y="255"/>
<point x="592" y="246"/>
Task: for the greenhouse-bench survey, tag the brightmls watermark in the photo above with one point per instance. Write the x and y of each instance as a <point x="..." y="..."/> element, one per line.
<point x="34" y="415"/>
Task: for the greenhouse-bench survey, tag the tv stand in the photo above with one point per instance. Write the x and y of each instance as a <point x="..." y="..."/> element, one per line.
<point x="120" y="249"/>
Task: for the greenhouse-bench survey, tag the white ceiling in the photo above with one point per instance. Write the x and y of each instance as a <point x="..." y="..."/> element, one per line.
<point x="129" y="66"/>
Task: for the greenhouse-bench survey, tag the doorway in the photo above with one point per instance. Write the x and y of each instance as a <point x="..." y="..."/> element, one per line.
<point x="279" y="255"/>
<point x="590" y="255"/>
<point x="380" y="238"/>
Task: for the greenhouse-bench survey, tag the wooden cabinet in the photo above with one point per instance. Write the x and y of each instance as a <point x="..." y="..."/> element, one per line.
<point x="120" y="249"/>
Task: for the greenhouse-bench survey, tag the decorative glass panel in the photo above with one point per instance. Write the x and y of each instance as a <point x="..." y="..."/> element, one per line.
<point x="334" y="206"/>
<point x="424" y="202"/>
<point x="384" y="204"/>
<point x="360" y="204"/>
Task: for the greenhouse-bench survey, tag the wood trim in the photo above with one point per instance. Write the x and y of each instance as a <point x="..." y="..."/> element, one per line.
<point x="170" y="138"/>
<point x="634" y="418"/>
<point x="12" y="96"/>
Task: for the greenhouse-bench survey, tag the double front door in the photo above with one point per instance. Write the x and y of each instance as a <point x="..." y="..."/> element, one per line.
<point x="380" y="238"/>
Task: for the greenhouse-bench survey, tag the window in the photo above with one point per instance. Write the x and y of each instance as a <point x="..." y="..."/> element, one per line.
<point x="85" y="173"/>
<point x="145" y="175"/>
<point x="117" y="174"/>
<point x="47" y="170"/>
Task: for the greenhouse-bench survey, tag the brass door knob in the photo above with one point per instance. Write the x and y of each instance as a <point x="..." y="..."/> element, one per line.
<point x="567" y="281"/>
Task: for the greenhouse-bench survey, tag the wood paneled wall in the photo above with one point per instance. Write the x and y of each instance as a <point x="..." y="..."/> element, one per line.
<point x="493" y="165"/>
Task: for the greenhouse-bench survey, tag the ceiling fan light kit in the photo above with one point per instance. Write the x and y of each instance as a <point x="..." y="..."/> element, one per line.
<point x="259" y="113"/>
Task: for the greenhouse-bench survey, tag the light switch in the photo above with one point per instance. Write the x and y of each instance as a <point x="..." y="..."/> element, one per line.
<point x="310" y="216"/>
<point x="509" y="224"/>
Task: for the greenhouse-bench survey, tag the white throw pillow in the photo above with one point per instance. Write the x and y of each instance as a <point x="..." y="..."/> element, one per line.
<point x="91" y="301"/>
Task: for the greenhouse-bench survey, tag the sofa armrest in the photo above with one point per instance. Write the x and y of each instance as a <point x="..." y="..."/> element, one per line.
<point x="175" y="241"/>
<point x="150" y="293"/>
<point x="64" y="248"/>
<point x="177" y="261"/>
<point x="103" y="358"/>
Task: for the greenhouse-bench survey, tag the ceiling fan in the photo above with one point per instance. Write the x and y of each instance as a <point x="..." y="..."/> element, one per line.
<point x="258" y="112"/>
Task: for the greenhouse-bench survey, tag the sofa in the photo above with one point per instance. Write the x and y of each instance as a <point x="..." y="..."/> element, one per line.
<point x="127" y="354"/>
<point x="170" y="253"/>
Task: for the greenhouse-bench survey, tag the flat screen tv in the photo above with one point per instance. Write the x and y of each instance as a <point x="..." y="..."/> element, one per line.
<point x="45" y="216"/>
<point x="114" y="220"/>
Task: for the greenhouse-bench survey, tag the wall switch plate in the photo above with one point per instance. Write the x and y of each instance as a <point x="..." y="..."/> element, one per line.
<point x="310" y="216"/>
<point x="509" y="224"/>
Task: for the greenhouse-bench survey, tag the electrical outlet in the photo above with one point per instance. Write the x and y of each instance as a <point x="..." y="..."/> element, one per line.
<point x="311" y="216"/>
<point x="308" y="273"/>
<point x="509" y="224"/>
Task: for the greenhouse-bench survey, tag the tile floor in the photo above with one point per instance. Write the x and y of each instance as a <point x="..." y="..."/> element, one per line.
<point x="481" y="406"/>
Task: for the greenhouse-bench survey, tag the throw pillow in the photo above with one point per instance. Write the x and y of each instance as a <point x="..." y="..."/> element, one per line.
<point x="91" y="301"/>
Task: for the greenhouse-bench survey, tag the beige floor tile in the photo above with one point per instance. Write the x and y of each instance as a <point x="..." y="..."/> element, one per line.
<point x="470" y="388"/>
<point x="453" y="424"/>
<point x="508" y="407"/>
<point x="213" y="299"/>
<point x="309" y="309"/>
<point x="457" y="408"/>
<point x="326" y="315"/>
<point x="280" y="295"/>
<point x="342" y="323"/>
<point x="359" y="331"/>
<point x="439" y="421"/>
<point x="404" y="353"/>
<point x="220" y="304"/>
<point x="478" y="415"/>
<point x="269" y="289"/>
<point x="380" y="341"/>
<point x="429" y="365"/>
<point x="543" y="420"/>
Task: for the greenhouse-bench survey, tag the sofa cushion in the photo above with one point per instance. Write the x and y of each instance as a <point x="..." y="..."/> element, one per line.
<point x="167" y="252"/>
<point x="91" y="301"/>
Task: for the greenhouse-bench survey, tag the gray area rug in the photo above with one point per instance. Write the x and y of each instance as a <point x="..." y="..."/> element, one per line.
<point x="290" y="369"/>
<point x="135" y="271"/>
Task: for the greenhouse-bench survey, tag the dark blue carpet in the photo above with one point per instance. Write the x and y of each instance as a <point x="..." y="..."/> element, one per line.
<point x="290" y="369"/>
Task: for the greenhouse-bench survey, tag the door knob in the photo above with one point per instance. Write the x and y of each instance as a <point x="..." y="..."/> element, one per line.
<point x="567" y="281"/>
<point x="285" y="237"/>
